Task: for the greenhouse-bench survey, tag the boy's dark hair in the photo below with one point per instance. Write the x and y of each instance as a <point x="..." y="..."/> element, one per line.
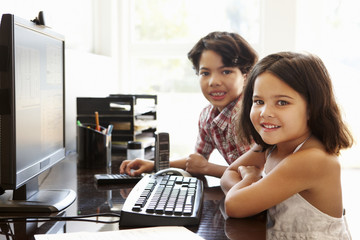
<point x="307" y="75"/>
<point x="234" y="50"/>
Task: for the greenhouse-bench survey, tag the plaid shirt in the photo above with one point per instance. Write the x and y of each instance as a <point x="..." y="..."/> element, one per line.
<point x="219" y="130"/>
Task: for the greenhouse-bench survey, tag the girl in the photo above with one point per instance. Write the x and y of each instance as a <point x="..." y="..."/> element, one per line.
<point x="222" y="61"/>
<point x="289" y="110"/>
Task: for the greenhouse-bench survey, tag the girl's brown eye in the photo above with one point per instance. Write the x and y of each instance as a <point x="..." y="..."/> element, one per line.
<point x="282" y="103"/>
<point x="258" y="102"/>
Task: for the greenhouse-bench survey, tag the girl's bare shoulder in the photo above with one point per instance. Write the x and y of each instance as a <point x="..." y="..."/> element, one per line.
<point x="314" y="160"/>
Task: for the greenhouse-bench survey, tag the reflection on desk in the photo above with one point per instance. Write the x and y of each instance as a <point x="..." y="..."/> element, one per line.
<point x="246" y="228"/>
<point x="92" y="199"/>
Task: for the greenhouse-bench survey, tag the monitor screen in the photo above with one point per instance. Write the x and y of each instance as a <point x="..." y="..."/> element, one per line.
<point x="32" y="108"/>
<point x="38" y="101"/>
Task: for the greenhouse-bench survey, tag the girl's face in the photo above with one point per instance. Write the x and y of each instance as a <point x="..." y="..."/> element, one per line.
<point x="278" y="113"/>
<point x="220" y="85"/>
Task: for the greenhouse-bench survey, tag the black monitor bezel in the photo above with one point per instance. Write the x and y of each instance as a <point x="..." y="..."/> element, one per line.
<point x="9" y="178"/>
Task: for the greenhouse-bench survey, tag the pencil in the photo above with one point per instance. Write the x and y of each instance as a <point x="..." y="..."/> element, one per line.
<point x="97" y="121"/>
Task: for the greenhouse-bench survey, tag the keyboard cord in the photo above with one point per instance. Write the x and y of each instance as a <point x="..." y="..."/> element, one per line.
<point x="81" y="218"/>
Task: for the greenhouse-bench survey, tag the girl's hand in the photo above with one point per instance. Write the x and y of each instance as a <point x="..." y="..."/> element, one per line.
<point x="250" y="172"/>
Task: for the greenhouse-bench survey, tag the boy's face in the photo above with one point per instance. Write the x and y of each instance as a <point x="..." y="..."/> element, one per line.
<point x="220" y="85"/>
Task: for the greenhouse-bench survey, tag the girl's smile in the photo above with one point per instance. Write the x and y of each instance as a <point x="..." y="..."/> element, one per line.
<point x="269" y="126"/>
<point x="278" y="113"/>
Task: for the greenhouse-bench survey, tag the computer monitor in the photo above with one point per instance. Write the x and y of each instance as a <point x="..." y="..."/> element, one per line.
<point x="32" y="107"/>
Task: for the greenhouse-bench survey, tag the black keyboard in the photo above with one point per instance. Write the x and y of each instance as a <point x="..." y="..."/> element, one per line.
<point x="163" y="201"/>
<point x="115" y="178"/>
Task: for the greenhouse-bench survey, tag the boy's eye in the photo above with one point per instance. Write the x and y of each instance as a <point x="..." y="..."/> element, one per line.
<point x="226" y="72"/>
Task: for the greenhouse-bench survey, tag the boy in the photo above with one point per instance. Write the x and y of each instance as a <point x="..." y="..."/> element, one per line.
<point x="222" y="61"/>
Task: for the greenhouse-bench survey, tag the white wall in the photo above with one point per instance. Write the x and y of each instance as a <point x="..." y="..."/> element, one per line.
<point x="278" y="31"/>
<point x="87" y="74"/>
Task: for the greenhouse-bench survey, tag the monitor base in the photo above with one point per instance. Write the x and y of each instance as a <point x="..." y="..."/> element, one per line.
<point x="44" y="201"/>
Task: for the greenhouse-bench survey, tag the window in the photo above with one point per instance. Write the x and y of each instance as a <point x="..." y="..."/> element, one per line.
<point x="331" y="29"/>
<point x="160" y="34"/>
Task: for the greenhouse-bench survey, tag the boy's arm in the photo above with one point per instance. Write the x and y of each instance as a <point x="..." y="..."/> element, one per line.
<point x="179" y="163"/>
<point x="196" y="164"/>
<point x="215" y="170"/>
<point x="138" y="166"/>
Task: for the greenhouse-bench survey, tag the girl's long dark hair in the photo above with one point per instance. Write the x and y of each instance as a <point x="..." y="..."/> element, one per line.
<point x="307" y="75"/>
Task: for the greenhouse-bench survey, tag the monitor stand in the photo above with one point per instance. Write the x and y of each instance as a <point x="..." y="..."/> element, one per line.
<point x="29" y="198"/>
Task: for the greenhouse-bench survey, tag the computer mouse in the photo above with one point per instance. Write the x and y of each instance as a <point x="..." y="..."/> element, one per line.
<point x="173" y="171"/>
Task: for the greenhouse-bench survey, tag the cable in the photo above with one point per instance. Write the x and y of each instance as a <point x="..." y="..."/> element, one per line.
<point x="2" y="191"/>
<point x="54" y="218"/>
<point x="6" y="230"/>
<point x="62" y="218"/>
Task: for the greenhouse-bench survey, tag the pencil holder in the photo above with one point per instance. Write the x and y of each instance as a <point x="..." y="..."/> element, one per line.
<point x="93" y="147"/>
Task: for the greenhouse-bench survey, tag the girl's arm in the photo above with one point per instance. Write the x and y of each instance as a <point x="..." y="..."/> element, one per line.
<point x="308" y="172"/>
<point x="231" y="176"/>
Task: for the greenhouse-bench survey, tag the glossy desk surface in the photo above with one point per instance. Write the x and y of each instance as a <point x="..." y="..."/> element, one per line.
<point x="92" y="199"/>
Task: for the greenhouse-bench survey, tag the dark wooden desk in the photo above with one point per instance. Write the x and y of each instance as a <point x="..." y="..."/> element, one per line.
<point x="94" y="199"/>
